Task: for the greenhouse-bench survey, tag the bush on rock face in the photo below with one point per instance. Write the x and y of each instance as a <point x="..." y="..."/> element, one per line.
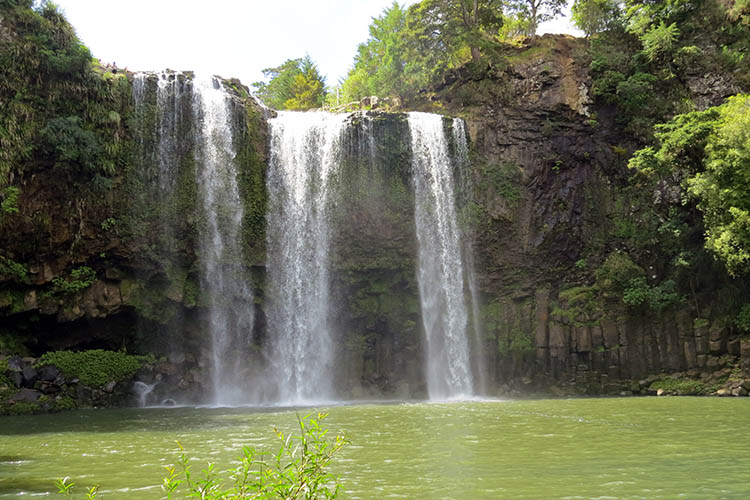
<point x="95" y="367"/>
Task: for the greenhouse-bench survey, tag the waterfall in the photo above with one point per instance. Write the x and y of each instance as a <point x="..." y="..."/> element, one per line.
<point x="224" y="286"/>
<point x="440" y="267"/>
<point x="479" y="365"/>
<point x="305" y="151"/>
<point x="169" y="96"/>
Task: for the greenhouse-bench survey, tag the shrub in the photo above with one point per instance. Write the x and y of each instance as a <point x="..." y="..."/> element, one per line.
<point x="743" y="318"/>
<point x="680" y="387"/>
<point x="95" y="367"/>
<point x="657" y="297"/>
<point x="80" y="278"/>
<point x="13" y="270"/>
<point x="297" y="471"/>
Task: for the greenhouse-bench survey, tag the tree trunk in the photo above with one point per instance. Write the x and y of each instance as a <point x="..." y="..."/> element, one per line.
<point x="475" y="55"/>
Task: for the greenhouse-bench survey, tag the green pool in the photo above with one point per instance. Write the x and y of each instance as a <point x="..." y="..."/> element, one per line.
<point x="649" y="448"/>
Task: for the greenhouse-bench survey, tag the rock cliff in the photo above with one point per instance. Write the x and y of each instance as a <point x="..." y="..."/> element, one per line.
<point x="544" y="191"/>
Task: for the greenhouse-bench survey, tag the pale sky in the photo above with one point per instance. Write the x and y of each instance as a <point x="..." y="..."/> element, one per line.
<point x="231" y="38"/>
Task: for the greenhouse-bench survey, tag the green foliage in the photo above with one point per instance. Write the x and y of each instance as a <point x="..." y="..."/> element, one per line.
<point x="79" y="279"/>
<point x="743" y="318"/>
<point x="594" y="16"/>
<point x="381" y="66"/>
<point x="65" y="487"/>
<point x="8" y="201"/>
<point x="659" y="41"/>
<point x="20" y="408"/>
<point x="579" y="306"/>
<point x="296" y="85"/>
<point x="409" y="49"/>
<point x="643" y="55"/>
<point x="64" y="403"/>
<point x="13" y="270"/>
<point x="681" y="387"/>
<point x="620" y="280"/>
<point x="4" y="367"/>
<point x="536" y="11"/>
<point x="56" y="109"/>
<point x="723" y="188"/>
<point x="515" y="25"/>
<point x="657" y="297"/>
<point x="449" y="26"/>
<point x="95" y="367"/>
<point x="707" y="155"/>
<point x="503" y="179"/>
<point x="70" y="149"/>
<point x="516" y="341"/>
<point x="616" y="273"/>
<point x="298" y="470"/>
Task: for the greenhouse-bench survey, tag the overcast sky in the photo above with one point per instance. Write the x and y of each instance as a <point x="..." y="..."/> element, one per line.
<point x="231" y="38"/>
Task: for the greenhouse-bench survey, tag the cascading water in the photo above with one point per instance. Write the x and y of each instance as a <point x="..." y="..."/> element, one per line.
<point x="440" y="267"/>
<point x="169" y="96"/>
<point x="479" y="365"/>
<point x="224" y="285"/>
<point x="305" y="150"/>
<point x="143" y="390"/>
<point x="188" y="137"/>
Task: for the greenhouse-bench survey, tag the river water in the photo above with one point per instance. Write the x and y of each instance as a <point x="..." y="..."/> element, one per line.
<point x="609" y="448"/>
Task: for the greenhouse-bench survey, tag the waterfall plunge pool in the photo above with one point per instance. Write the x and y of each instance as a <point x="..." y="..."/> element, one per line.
<point x="608" y="448"/>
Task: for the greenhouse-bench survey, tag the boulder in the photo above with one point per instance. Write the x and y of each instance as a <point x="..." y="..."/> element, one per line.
<point x="369" y="102"/>
<point x="48" y="373"/>
<point x="26" y="395"/>
<point x="30" y="375"/>
<point x="715" y="347"/>
<point x="733" y="347"/>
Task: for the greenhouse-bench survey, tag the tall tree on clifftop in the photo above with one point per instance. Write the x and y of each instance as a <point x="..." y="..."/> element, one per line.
<point x="408" y="49"/>
<point x="452" y="23"/>
<point x="594" y="16"/>
<point x="382" y="61"/>
<point x="537" y="11"/>
<point x="296" y="84"/>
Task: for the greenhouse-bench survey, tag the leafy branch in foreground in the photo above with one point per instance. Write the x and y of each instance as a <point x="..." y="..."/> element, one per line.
<point x="298" y="470"/>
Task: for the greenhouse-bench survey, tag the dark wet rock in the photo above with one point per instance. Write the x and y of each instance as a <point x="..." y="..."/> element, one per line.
<point x="26" y="395"/>
<point x="48" y="373"/>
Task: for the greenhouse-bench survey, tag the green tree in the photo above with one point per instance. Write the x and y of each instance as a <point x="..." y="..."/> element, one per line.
<point x="69" y="103"/>
<point x="381" y="62"/>
<point x="453" y="23"/>
<point x="707" y="153"/>
<point x="536" y="11"/>
<point x="595" y="16"/>
<point x="296" y="84"/>
<point x="723" y="188"/>
<point x="408" y="49"/>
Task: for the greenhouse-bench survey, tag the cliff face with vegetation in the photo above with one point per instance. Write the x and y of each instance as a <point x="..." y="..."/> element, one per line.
<point x="588" y="282"/>
<point x="579" y="288"/>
